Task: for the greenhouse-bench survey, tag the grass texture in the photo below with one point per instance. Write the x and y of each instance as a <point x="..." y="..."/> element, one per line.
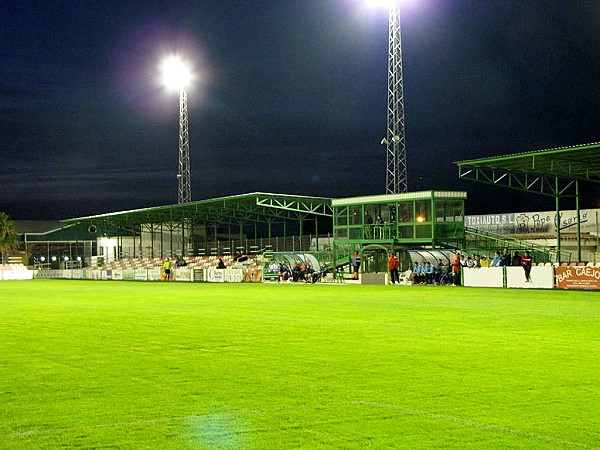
<point x="210" y="366"/>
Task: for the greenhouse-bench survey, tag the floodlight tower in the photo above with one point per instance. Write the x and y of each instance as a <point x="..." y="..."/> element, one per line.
<point x="396" y="179"/>
<point x="177" y="75"/>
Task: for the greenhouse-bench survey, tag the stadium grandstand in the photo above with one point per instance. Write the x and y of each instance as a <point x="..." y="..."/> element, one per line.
<point x="258" y="226"/>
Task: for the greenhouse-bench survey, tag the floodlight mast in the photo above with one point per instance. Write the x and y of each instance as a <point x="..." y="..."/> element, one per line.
<point x="184" y="176"/>
<point x="396" y="178"/>
<point x="177" y="75"/>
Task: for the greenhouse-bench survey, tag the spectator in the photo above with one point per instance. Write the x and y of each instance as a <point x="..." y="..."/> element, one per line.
<point x="296" y="272"/>
<point x="368" y="225"/>
<point x="417" y="273"/>
<point x="516" y="259"/>
<point x="355" y="265"/>
<point x="526" y="262"/>
<point x="496" y="261"/>
<point x="394" y="266"/>
<point x="284" y="272"/>
<point x="429" y="272"/>
<point x="221" y="264"/>
<point x="379" y="227"/>
<point x="505" y="260"/>
<point x="456" y="268"/>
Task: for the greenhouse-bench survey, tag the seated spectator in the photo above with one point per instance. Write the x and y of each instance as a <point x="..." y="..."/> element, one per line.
<point x="429" y="272"/>
<point x="221" y="264"/>
<point x="296" y="272"/>
<point x="496" y="261"/>
<point x="284" y="272"/>
<point x="180" y="262"/>
<point x="417" y="273"/>
<point x="516" y="259"/>
<point x="506" y="258"/>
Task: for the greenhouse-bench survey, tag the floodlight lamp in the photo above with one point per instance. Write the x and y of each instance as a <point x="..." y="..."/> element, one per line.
<point x="396" y="139"/>
<point x="66" y="258"/>
<point x="42" y="258"/>
<point x="53" y="259"/>
<point x="79" y="259"/>
<point x="420" y="219"/>
<point x="175" y="73"/>
<point x="383" y="3"/>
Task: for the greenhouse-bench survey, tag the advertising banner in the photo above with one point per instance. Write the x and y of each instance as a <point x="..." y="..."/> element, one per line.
<point x="128" y="274"/>
<point x="234" y="275"/>
<point x="183" y="275"/>
<point x="215" y="275"/>
<point x="141" y="275"/>
<point x="154" y="274"/>
<point x="199" y="275"/>
<point x="536" y="222"/>
<point x="579" y="277"/>
<point x="117" y="274"/>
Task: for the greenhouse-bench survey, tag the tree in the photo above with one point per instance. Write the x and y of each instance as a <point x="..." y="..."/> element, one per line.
<point x="8" y="235"/>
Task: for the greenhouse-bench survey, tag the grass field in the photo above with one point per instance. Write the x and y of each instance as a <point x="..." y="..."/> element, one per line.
<point x="184" y="366"/>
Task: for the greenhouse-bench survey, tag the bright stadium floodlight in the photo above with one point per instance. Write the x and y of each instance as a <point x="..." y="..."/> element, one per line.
<point x="177" y="75"/>
<point x="382" y="3"/>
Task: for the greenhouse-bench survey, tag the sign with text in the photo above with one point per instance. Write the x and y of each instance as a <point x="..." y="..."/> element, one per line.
<point x="579" y="277"/>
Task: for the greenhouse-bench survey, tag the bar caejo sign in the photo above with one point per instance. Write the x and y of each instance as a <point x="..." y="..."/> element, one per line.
<point x="579" y="277"/>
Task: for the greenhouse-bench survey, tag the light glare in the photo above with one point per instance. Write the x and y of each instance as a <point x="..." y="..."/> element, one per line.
<point x="383" y="3"/>
<point x="175" y="73"/>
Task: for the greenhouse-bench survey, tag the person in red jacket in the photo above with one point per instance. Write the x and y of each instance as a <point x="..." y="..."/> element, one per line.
<point x="394" y="266"/>
<point x="526" y="262"/>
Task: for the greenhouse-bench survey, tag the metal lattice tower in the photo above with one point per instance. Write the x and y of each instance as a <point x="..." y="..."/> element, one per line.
<point x="183" y="176"/>
<point x="396" y="180"/>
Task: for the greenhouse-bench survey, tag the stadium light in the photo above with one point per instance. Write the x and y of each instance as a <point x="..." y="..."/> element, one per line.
<point x="177" y="75"/>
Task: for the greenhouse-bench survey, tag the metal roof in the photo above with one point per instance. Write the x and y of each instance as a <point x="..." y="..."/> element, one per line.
<point x="252" y="207"/>
<point x="537" y="171"/>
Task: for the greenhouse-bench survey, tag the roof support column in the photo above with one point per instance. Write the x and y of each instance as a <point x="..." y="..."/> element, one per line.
<point x="557" y="199"/>
<point x="578" y="215"/>
<point x="316" y="232"/>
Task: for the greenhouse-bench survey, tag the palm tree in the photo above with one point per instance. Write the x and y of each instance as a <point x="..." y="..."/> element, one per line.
<point x="8" y="235"/>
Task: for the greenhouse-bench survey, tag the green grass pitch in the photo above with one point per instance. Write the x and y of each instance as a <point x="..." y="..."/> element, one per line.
<point x="127" y="365"/>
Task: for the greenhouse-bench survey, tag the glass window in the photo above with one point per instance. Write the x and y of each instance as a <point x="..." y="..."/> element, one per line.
<point x="423" y="231"/>
<point x="459" y="211"/>
<point x="356" y="215"/>
<point x="356" y="233"/>
<point x="441" y="209"/>
<point x="405" y="212"/>
<point x="423" y="211"/>
<point x="341" y="233"/>
<point x="405" y="232"/>
<point x="342" y="215"/>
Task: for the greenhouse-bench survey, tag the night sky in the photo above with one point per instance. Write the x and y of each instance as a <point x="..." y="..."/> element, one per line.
<point x="289" y="97"/>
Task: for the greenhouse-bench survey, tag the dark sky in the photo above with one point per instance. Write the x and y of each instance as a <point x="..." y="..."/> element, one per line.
<point x="289" y="97"/>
